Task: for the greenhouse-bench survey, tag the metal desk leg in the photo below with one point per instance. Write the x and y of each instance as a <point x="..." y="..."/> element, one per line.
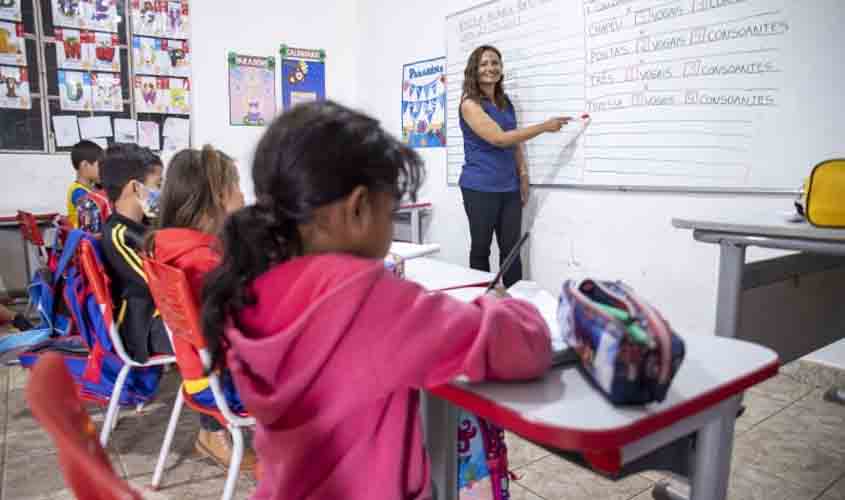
<point x="440" y="424"/>
<point x="416" y="226"/>
<point x="729" y="295"/>
<point x="714" y="447"/>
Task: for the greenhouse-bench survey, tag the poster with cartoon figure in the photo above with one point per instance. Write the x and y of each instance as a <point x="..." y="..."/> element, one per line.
<point x="252" y="89"/>
<point x="146" y="19"/>
<point x="74" y="91"/>
<point x="303" y="76"/>
<point x="176" y="22"/>
<point x="10" y="10"/>
<point x="180" y="96"/>
<point x="176" y="56"/>
<point x="69" y="13"/>
<point x="107" y="92"/>
<point x="106" y="54"/>
<point x="12" y="44"/>
<point x="152" y="94"/>
<point x="14" y="88"/>
<point x="147" y="56"/>
<point x="424" y="103"/>
<point x="73" y="48"/>
<point x="101" y="15"/>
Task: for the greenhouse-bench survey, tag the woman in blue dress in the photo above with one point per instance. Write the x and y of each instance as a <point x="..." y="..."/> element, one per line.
<point x="494" y="181"/>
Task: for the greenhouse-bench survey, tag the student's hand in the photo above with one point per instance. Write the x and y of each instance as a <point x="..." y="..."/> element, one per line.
<point x="500" y="292"/>
<point x="555" y="124"/>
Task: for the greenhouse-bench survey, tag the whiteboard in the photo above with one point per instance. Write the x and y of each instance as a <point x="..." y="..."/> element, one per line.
<point x="736" y="95"/>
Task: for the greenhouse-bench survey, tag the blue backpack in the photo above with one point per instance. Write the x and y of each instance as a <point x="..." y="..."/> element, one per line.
<point x="90" y="356"/>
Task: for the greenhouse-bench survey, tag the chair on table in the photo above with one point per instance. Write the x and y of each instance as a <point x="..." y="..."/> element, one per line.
<point x="52" y="397"/>
<point x="174" y="299"/>
<point x="98" y="280"/>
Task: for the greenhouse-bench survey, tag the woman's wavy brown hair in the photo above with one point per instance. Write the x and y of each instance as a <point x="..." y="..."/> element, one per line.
<point x="472" y="89"/>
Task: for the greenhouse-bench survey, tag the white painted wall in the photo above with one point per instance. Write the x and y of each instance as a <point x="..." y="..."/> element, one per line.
<point x="39" y="182"/>
<point x="576" y="233"/>
<point x="259" y="30"/>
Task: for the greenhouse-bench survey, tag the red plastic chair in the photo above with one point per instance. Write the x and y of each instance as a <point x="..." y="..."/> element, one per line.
<point x="175" y="301"/>
<point x="98" y="280"/>
<point x="52" y="398"/>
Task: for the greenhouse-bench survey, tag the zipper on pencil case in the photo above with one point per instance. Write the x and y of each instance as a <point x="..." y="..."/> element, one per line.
<point x="603" y="309"/>
<point x="631" y="319"/>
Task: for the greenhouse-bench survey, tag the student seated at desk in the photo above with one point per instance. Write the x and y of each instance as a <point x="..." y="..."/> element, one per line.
<point x="131" y="176"/>
<point x="327" y="348"/>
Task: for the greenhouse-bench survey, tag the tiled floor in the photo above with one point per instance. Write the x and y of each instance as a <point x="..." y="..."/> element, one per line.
<point x="790" y="446"/>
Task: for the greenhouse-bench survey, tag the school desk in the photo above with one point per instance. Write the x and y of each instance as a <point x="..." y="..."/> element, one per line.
<point x="413" y="250"/>
<point x="565" y="414"/>
<point x="435" y="274"/>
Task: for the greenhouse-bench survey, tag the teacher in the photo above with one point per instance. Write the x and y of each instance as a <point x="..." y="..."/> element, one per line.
<point x="494" y="181"/>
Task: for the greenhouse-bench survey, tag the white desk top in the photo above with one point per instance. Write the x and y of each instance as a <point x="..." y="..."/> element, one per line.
<point x="564" y="410"/>
<point x="760" y="224"/>
<point x="439" y="275"/>
<point x="413" y="250"/>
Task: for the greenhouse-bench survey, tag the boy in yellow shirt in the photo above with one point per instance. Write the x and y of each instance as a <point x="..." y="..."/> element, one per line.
<point x="85" y="156"/>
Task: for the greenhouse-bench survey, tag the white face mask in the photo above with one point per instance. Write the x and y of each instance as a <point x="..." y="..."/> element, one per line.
<point x="150" y="201"/>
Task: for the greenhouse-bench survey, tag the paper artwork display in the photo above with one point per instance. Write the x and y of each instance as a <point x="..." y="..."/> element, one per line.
<point x="87" y="50"/>
<point x="179" y="102"/>
<point x="10" y="10"/>
<point x="424" y="103"/>
<point x="252" y="89"/>
<point x="66" y="130"/>
<point x="74" y="91"/>
<point x="303" y="76"/>
<point x="12" y="44"/>
<point x="100" y="15"/>
<point x="164" y="18"/>
<point x="154" y="56"/>
<point x="125" y="130"/>
<point x="14" y="88"/>
<point x="94" y="126"/>
<point x="107" y="92"/>
<point x="148" y="135"/>
<point x="152" y="94"/>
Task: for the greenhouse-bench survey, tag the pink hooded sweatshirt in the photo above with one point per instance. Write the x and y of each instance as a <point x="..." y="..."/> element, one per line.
<point x="329" y="362"/>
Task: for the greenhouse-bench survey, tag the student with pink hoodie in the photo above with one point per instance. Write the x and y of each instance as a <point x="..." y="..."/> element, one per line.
<point x="328" y="349"/>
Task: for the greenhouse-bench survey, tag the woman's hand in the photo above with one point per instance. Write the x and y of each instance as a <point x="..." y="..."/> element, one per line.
<point x="524" y="188"/>
<point x="555" y="124"/>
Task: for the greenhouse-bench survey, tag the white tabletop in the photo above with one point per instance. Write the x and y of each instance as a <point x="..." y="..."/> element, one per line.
<point x="439" y="275"/>
<point x="413" y="250"/>
<point x="762" y="223"/>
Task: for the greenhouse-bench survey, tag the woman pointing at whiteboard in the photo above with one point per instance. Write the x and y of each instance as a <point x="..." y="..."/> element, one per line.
<point x="494" y="181"/>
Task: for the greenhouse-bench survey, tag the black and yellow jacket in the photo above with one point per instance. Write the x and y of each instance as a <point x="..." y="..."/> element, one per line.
<point x="135" y="311"/>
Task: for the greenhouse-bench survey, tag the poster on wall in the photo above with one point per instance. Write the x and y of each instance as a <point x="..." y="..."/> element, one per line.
<point x="107" y="92"/>
<point x="73" y="48"/>
<point x="147" y="55"/>
<point x="100" y="15"/>
<point x="10" y="10"/>
<point x="176" y="20"/>
<point x="177" y="57"/>
<point x="14" y="88"/>
<point x="106" y="52"/>
<point x="424" y="103"/>
<point x="74" y="91"/>
<point x="164" y="18"/>
<point x="252" y="89"/>
<point x="303" y="76"/>
<point x="179" y="102"/>
<point x="152" y="94"/>
<point x="145" y="17"/>
<point x="12" y="44"/>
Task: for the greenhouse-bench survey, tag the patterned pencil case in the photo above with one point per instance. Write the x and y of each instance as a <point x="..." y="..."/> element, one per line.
<point x="625" y="346"/>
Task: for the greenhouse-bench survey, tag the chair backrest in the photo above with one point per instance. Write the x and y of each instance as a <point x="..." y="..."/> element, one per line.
<point x="97" y="278"/>
<point x="52" y="397"/>
<point x="175" y="301"/>
<point x="29" y="228"/>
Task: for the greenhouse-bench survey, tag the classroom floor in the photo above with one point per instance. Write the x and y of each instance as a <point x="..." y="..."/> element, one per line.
<point x="790" y="446"/>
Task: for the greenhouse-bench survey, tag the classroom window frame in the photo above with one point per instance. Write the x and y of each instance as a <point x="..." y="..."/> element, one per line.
<point x="43" y="98"/>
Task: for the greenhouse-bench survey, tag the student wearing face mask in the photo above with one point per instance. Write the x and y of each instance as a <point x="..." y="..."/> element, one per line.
<point x="131" y="176"/>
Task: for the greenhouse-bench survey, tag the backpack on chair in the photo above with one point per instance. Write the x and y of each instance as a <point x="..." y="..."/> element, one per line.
<point x="482" y="460"/>
<point x="90" y="356"/>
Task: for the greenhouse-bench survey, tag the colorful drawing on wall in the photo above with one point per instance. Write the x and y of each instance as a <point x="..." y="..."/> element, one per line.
<point x="179" y="102"/>
<point x="98" y="15"/>
<point x="177" y="57"/>
<point x="303" y="76"/>
<point x="72" y="48"/>
<point x="424" y="103"/>
<point x="14" y="88"/>
<point x="12" y="44"/>
<point x="74" y="91"/>
<point x="145" y="18"/>
<point x="106" y="52"/>
<point x="147" y="56"/>
<point x="10" y="10"/>
<point x="164" y="18"/>
<point x="152" y="94"/>
<point x="252" y="89"/>
<point x="107" y="92"/>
